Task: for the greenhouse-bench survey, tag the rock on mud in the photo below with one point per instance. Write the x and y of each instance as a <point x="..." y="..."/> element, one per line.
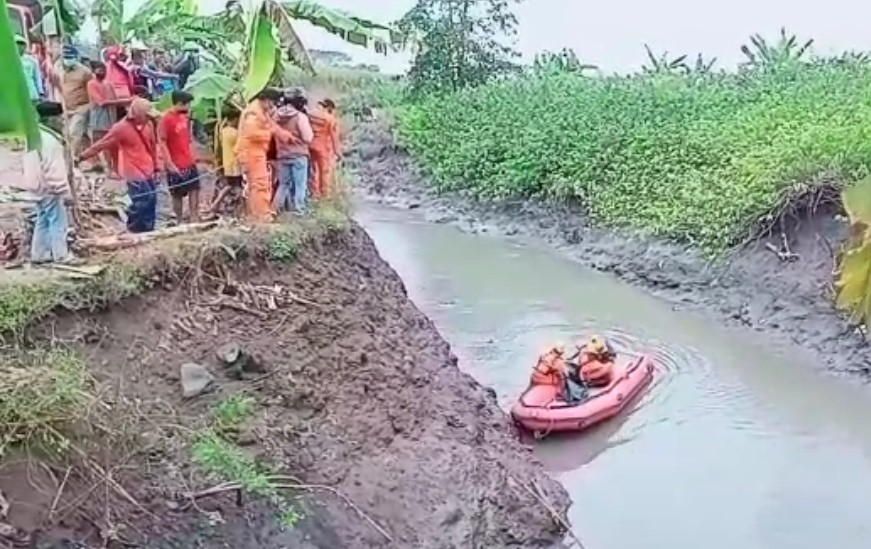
<point x="195" y="380"/>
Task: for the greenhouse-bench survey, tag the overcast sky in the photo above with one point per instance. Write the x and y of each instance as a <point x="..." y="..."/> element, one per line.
<point x="611" y="33"/>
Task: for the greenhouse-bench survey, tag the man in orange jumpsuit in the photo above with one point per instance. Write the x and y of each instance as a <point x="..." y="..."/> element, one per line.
<point x="325" y="148"/>
<point x="256" y="130"/>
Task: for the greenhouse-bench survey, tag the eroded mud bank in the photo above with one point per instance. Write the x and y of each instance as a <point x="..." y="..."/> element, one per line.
<point x="355" y="395"/>
<point x="790" y="301"/>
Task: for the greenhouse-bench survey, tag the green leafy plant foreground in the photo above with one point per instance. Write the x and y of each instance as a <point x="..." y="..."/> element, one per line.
<point x="698" y="156"/>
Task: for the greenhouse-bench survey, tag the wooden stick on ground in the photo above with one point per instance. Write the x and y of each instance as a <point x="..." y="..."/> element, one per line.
<point x="229" y="487"/>
<point x="117" y="242"/>
<point x="535" y="491"/>
<point x="59" y="493"/>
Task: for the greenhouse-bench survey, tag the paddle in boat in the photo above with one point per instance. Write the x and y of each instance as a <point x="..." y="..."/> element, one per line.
<point x="576" y="392"/>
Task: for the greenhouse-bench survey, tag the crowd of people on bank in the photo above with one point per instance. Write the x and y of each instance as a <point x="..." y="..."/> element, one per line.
<point x="276" y="154"/>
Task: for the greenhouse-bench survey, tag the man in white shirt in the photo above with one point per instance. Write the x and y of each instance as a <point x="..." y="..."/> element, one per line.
<point x="45" y="176"/>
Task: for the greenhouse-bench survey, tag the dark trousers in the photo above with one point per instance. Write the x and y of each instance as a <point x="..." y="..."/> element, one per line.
<point x="142" y="213"/>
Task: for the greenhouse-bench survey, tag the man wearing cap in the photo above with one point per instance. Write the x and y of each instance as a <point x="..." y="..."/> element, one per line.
<point x="35" y="87"/>
<point x="135" y="139"/>
<point x="45" y="177"/>
<point x="71" y="79"/>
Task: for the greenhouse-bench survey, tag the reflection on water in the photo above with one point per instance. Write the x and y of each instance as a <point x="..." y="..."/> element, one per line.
<point x="738" y="443"/>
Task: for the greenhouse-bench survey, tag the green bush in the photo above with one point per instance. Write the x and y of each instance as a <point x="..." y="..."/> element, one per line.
<point x="695" y="157"/>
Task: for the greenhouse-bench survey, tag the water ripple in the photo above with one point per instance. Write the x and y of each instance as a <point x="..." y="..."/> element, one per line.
<point x="685" y="390"/>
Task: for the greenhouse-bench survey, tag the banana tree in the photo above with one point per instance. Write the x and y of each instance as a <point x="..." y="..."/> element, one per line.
<point x="663" y="64"/>
<point x="17" y="114"/>
<point x="270" y="38"/>
<point x="117" y="25"/>
<point x="766" y="55"/>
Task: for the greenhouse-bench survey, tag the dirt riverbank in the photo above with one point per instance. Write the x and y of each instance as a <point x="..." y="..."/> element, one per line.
<point x="786" y="300"/>
<point x="337" y="383"/>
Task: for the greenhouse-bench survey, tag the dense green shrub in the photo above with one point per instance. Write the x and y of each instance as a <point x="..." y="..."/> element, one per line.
<point x="694" y="157"/>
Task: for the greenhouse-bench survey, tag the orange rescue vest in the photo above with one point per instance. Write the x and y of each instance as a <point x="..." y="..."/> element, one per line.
<point x="549" y="370"/>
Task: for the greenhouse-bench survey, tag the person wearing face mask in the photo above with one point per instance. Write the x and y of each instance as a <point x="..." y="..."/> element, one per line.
<point x="135" y="139"/>
<point x="180" y="161"/>
<point x="257" y="129"/>
<point x="71" y="80"/>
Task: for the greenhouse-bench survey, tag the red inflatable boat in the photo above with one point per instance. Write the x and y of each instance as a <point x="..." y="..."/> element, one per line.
<point x="542" y="409"/>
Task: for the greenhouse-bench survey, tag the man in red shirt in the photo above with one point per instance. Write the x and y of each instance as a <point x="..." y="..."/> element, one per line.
<point x="135" y="140"/>
<point x="182" y="175"/>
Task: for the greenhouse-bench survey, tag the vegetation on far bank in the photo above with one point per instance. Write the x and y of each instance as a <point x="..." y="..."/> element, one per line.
<point x="688" y="154"/>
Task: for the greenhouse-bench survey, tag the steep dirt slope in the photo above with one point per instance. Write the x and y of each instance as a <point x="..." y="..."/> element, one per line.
<point x="351" y="390"/>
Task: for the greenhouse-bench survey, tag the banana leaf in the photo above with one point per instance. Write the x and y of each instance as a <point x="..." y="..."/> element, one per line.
<point x="288" y="37"/>
<point x="207" y="83"/>
<point x="17" y="114"/>
<point x="854" y="284"/>
<point x="262" y="54"/>
<point x="70" y="14"/>
<point x="352" y="29"/>
<point x="857" y="202"/>
<point x="854" y="270"/>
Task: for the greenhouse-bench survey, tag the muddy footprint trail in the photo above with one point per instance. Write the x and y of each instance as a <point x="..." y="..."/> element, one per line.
<point x="353" y="397"/>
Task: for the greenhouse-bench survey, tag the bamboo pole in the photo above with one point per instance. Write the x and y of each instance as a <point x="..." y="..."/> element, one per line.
<point x="71" y="176"/>
<point x="68" y="155"/>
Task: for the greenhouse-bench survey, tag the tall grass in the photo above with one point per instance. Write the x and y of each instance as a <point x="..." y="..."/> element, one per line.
<point x="354" y="88"/>
<point x="695" y="157"/>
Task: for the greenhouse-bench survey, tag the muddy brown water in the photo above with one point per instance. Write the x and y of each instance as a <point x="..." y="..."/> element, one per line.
<point x="738" y="444"/>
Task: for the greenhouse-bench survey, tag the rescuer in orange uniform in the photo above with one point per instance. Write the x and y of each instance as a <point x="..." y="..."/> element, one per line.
<point x="325" y="148"/>
<point x="550" y="368"/>
<point x="596" y="362"/>
<point x="256" y="131"/>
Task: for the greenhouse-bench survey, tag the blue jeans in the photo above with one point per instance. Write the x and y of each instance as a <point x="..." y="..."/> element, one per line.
<point x="49" y="241"/>
<point x="292" y="191"/>
<point x="142" y="213"/>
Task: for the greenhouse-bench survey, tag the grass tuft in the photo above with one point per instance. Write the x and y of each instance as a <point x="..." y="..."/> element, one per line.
<point x="232" y="412"/>
<point x="42" y="394"/>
